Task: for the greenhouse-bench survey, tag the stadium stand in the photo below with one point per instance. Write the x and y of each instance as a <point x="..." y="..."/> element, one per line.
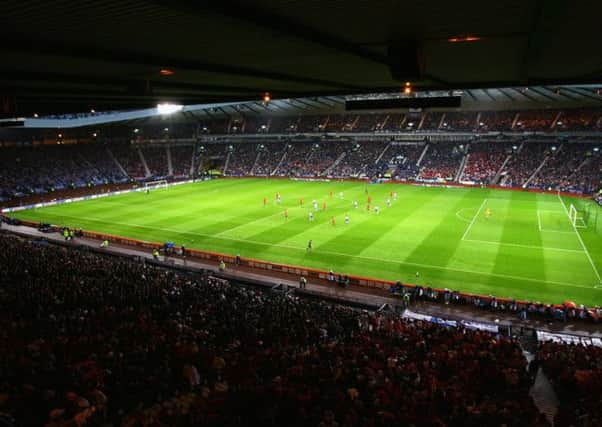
<point x="484" y="161"/>
<point x="576" y="376"/>
<point x="181" y="157"/>
<point x="156" y="159"/>
<point x="92" y="339"/>
<point x="572" y="163"/>
<point x="442" y="162"/>
<point x="524" y="163"/>
<point x="241" y="160"/>
<point x="129" y="158"/>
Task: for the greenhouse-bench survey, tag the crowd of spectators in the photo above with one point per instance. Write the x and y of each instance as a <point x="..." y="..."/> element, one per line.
<point x="496" y="121"/>
<point x="484" y="161"/>
<point x="89" y="339"/>
<point x="524" y="163"/>
<point x="242" y="159"/>
<point x="42" y="169"/>
<point x="181" y="158"/>
<point x="569" y="166"/>
<point x="295" y="160"/>
<point x="442" y="162"/>
<point x="460" y="121"/>
<point x="579" y="120"/>
<point x="535" y="120"/>
<point x="269" y="158"/>
<point x="156" y="160"/>
<point x="575" y="372"/>
<point x="399" y="161"/>
<point x="129" y="158"/>
<point x="360" y="160"/>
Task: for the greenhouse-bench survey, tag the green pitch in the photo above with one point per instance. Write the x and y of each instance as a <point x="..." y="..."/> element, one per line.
<point x="525" y="249"/>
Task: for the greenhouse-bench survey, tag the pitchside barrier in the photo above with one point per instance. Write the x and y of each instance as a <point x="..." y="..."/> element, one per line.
<point x="296" y="271"/>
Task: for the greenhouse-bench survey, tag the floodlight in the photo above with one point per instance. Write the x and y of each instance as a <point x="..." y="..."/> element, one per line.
<point x="168" y="108"/>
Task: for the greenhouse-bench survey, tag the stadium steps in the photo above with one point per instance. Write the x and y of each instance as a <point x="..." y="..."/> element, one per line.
<point x="440" y="125"/>
<point x="280" y="162"/>
<point x="169" y="162"/>
<point x="382" y="152"/>
<point x="581" y="165"/>
<point x="426" y="148"/>
<point x="462" y="167"/>
<point x="119" y="166"/>
<point x="226" y="163"/>
<point x="192" y="160"/>
<point x="534" y="174"/>
<point x="255" y="162"/>
<point x="143" y="160"/>
<point x="544" y="397"/>
<point x="422" y="119"/>
<point x="496" y="179"/>
<point x="514" y="121"/>
<point x="553" y="125"/>
<point x="334" y="164"/>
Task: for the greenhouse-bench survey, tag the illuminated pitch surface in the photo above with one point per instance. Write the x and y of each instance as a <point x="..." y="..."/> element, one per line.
<point x="526" y="248"/>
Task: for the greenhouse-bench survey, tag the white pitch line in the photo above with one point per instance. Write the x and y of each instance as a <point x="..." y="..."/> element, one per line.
<point x="524" y="246"/>
<point x="538" y="220"/>
<point x="473" y="220"/>
<point x="580" y="240"/>
<point x="303" y="249"/>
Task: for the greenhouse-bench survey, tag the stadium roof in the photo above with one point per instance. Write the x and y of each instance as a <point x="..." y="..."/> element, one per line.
<point x="65" y="56"/>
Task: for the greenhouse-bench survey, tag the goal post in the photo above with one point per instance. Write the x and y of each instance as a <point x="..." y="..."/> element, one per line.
<point x="160" y="183"/>
<point x="576" y="218"/>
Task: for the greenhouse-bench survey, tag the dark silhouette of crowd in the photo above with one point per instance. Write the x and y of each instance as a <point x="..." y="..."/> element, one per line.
<point x="575" y="372"/>
<point x="92" y="339"/>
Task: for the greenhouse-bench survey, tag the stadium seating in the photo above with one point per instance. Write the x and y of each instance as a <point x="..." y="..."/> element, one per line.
<point x="92" y="339"/>
<point x="484" y="161"/>
<point x="442" y="162"/>
<point x="156" y="159"/>
<point x="38" y="170"/>
<point x="576" y="375"/>
<point x="181" y="158"/>
<point x="572" y="166"/>
<point x="242" y="159"/>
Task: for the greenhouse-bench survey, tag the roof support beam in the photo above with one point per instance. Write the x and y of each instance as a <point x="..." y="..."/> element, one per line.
<point x="114" y="55"/>
<point x="262" y="18"/>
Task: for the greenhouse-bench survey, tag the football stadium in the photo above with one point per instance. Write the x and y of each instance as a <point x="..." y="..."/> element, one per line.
<point x="300" y="214"/>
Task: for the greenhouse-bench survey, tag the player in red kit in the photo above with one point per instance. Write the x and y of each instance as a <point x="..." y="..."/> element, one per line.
<point x="286" y="214"/>
<point x="324" y="206"/>
<point x="369" y="199"/>
<point x="368" y="207"/>
<point x="332" y="220"/>
<point x="301" y="201"/>
<point x="265" y="201"/>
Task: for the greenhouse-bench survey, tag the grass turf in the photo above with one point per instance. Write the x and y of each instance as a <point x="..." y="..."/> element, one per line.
<point x="526" y="249"/>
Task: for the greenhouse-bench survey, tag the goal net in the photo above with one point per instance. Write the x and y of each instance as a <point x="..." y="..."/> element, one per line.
<point x="576" y="217"/>
<point x="161" y="183"/>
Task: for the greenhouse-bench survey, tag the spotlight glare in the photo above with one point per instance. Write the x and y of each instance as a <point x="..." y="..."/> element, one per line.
<point x="168" y="108"/>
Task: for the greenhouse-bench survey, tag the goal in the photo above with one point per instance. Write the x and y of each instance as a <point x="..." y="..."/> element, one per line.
<point x="576" y="217"/>
<point x="161" y="183"/>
